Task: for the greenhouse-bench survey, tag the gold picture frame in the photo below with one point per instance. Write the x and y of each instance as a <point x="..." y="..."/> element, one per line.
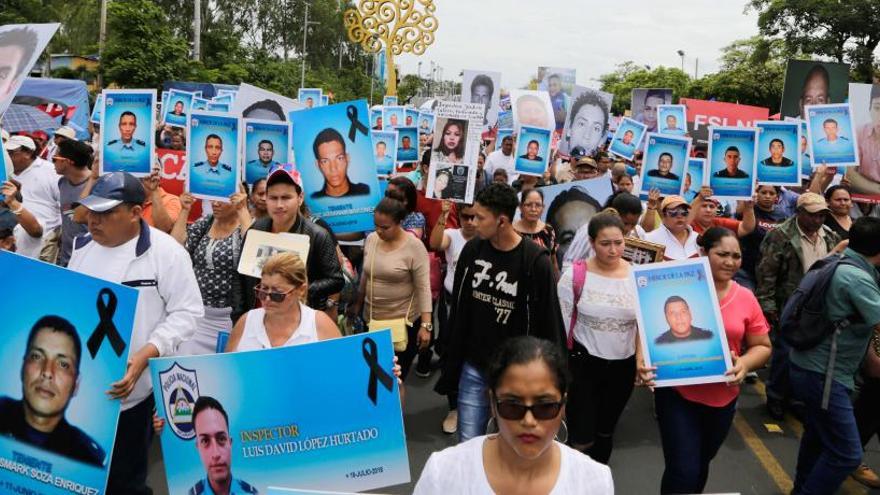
<point x="639" y="252"/>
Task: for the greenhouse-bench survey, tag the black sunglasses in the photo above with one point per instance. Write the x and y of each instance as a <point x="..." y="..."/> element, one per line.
<point x="277" y="297"/>
<point x="515" y="411"/>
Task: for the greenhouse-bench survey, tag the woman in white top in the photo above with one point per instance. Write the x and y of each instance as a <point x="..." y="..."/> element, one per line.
<point x="598" y="308"/>
<point x="527" y="380"/>
<point x="283" y="320"/>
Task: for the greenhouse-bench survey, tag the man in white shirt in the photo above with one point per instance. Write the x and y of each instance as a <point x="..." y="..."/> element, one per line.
<point x="502" y="159"/>
<point x="120" y="247"/>
<point x="39" y="191"/>
<point x="675" y="233"/>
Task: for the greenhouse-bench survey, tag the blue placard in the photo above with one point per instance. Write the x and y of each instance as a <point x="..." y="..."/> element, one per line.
<point x="694" y="179"/>
<point x="664" y="163"/>
<point x="680" y="325"/>
<point x="213" y="155"/>
<point x="627" y="138"/>
<point x="407" y="144"/>
<point x="831" y="137"/>
<point x="218" y="106"/>
<point x="779" y="153"/>
<point x="325" y="100"/>
<point x="384" y="150"/>
<point x="672" y="120"/>
<point x="266" y="144"/>
<point x="178" y="106"/>
<point x="290" y="434"/>
<point x="806" y="158"/>
<point x="376" y="119"/>
<point x="426" y="122"/>
<point x="200" y="103"/>
<point x="393" y="116"/>
<point x="95" y="117"/>
<point x="532" y="150"/>
<point x="389" y="101"/>
<point x="732" y="162"/>
<point x="310" y="97"/>
<point x="127" y="124"/>
<point x="77" y="454"/>
<point x="340" y="183"/>
<point x="412" y="117"/>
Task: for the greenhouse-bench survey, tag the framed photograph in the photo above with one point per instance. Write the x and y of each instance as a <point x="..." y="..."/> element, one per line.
<point x="627" y="138"/>
<point x="639" y="252"/>
<point x="664" y="164"/>
<point x="385" y="147"/>
<point x="310" y="97"/>
<point x="680" y="326"/>
<point x="732" y="159"/>
<point x="389" y="101"/>
<point x="694" y="179"/>
<point x="266" y="144"/>
<point x="393" y="116"/>
<point x="95" y="117"/>
<point x="259" y="246"/>
<point x="779" y="156"/>
<point x="213" y="155"/>
<point x="426" y="123"/>
<point x="407" y="144"/>
<point x="644" y="105"/>
<point x="532" y="150"/>
<point x="830" y="132"/>
<point x="127" y="138"/>
<point x="179" y="106"/>
<point x="672" y="120"/>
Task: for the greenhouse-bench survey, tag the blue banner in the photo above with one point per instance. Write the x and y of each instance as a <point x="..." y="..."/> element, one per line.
<point x="65" y="340"/>
<point x="284" y="417"/>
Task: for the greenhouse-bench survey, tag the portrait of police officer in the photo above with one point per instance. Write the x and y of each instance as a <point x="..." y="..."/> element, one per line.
<point x="832" y="142"/>
<point x="681" y="328"/>
<point x="50" y="377"/>
<point x="126" y="144"/>
<point x="213" y="151"/>
<point x="332" y="160"/>
<point x="265" y="156"/>
<point x="731" y="168"/>
<point x="777" y="155"/>
<point x="214" y="444"/>
<point x="178" y="109"/>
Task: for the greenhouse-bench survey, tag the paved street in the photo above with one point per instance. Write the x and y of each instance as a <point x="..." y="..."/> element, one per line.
<point x="752" y="460"/>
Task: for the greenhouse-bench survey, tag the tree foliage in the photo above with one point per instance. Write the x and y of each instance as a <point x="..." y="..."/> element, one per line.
<point x="629" y="76"/>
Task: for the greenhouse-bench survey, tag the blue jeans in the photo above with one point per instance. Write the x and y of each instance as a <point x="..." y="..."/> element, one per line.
<point x="830" y="447"/>
<point x="473" y="403"/>
<point x="778" y="380"/>
<point x="691" y="434"/>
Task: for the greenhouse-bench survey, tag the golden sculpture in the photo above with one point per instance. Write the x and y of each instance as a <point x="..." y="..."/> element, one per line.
<point x="397" y="26"/>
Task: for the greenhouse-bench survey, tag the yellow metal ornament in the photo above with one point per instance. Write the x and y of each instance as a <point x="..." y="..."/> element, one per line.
<point x="397" y="26"/>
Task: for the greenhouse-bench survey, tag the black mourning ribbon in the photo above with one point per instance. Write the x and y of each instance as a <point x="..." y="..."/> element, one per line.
<point x="377" y="373"/>
<point x="356" y="125"/>
<point x="105" y="327"/>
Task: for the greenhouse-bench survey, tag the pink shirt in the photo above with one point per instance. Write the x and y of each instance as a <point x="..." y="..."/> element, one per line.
<point x="742" y="315"/>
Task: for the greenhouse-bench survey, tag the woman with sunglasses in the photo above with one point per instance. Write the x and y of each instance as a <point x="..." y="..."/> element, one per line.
<point x="528" y="380"/>
<point x="395" y="283"/>
<point x="599" y="310"/>
<point x="284" y="319"/>
<point x="694" y="419"/>
<point x="530" y="225"/>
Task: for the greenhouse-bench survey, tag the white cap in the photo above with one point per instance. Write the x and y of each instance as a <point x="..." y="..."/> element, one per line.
<point x="66" y="131"/>
<point x="16" y="142"/>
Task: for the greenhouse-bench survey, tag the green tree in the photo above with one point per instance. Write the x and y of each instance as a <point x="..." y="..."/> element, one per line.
<point x="629" y="76"/>
<point x="847" y="31"/>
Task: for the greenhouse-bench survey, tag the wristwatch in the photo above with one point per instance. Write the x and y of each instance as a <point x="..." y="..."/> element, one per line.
<point x="428" y="326"/>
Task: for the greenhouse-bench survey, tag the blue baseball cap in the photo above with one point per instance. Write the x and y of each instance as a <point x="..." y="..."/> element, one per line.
<point x="113" y="189"/>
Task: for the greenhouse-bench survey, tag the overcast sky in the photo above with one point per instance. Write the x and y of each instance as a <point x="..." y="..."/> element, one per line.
<point x="515" y="37"/>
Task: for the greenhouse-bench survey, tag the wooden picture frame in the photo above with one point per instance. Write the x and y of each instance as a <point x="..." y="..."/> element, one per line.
<point x="639" y="252"/>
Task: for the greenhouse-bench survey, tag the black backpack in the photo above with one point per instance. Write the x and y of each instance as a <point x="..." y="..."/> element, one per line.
<point x="804" y="323"/>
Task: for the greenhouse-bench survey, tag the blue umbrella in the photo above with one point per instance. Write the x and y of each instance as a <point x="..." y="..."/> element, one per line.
<point x="27" y="118"/>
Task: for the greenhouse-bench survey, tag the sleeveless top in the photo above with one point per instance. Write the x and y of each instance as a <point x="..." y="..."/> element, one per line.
<point x="255" y="338"/>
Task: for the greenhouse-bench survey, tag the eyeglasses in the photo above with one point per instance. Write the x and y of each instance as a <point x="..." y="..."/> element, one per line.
<point x="262" y="294"/>
<point x="515" y="411"/>
<point x="676" y="213"/>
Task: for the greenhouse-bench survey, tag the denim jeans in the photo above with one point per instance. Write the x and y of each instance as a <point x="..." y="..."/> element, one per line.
<point x="830" y="447"/>
<point x="778" y="380"/>
<point x="691" y="434"/>
<point x="473" y="403"/>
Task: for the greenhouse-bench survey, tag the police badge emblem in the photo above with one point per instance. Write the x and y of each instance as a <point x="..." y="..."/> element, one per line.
<point x="180" y="390"/>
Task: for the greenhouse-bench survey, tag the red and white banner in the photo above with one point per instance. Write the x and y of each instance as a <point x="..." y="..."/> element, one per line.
<point x="703" y="113"/>
<point x="172" y="166"/>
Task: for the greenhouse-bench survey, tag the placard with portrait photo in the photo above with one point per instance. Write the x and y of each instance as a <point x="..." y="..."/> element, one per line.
<point x="779" y="156"/>
<point x="663" y="166"/>
<point x="213" y="155"/>
<point x="127" y="138"/>
<point x="830" y="132"/>
<point x="732" y="157"/>
<point x="627" y="138"/>
<point x="532" y="150"/>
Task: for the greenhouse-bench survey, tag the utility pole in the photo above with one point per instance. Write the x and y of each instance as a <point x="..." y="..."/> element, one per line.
<point x="306" y="23"/>
<point x="197" y="30"/>
<point x="102" y="37"/>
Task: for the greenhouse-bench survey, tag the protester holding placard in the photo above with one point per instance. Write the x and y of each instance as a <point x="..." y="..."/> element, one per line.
<point x="72" y="160"/>
<point x="704" y="213"/>
<point x="528" y="383"/>
<point x="695" y="419"/>
<point x="675" y="232"/>
<point x="598" y="308"/>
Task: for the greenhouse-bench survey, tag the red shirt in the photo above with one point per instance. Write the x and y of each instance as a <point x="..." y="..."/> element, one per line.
<point x="742" y="315"/>
<point x="727" y="223"/>
<point x="431" y="209"/>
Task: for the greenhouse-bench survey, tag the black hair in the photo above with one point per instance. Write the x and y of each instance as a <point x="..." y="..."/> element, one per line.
<point x="816" y="70"/>
<point x="500" y="199"/>
<point x="731" y="148"/>
<point x="875" y="93"/>
<point x="206" y="402"/>
<point x="505" y="138"/>
<point x="829" y="121"/>
<point x="864" y="236"/>
<point x="426" y="158"/>
<point x="254" y="186"/>
<point x="533" y="141"/>
<point x="459" y="150"/>
<point x="525" y="194"/>
<point x="270" y="143"/>
<point x="60" y="325"/>
<point x="483" y="80"/>
<point x="665" y="153"/>
<point x="392" y="207"/>
<point x="328" y="135"/>
<point x="777" y="188"/>
<point x="407" y="189"/>
<point x="589" y="98"/>
<point x="128" y="112"/>
<point x="629" y="131"/>
<point x="625" y="203"/>
<point x="674" y="299"/>
<point x="382" y="143"/>
<point x="660" y="93"/>
<point x="524" y="350"/>
<point x="573" y="194"/>
<point x="24" y="38"/>
<point x="833" y="189"/>
<point x="499" y="171"/>
<point x="603" y="220"/>
<point x="776" y="140"/>
<point x="213" y="136"/>
<point x="713" y="236"/>
<point x="268" y="105"/>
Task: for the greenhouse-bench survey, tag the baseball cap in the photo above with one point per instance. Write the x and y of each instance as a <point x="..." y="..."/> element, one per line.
<point x="40" y="135"/>
<point x="113" y="189"/>
<point x="16" y="142"/>
<point x="577" y="152"/>
<point x="812" y="202"/>
<point x="285" y="172"/>
<point x="585" y="161"/>
<point x="66" y="131"/>
<point x="672" y="202"/>
<point x="76" y="151"/>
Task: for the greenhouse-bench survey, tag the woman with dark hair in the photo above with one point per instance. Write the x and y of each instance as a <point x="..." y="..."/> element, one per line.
<point x="567" y="213"/>
<point x="599" y="310"/>
<point x="452" y="143"/>
<point x="530" y="225"/>
<point x="840" y="203"/>
<point x="257" y="199"/>
<point x="767" y="217"/>
<point x="394" y="283"/>
<point x="527" y="381"/>
<point x="694" y="419"/>
<point x="441" y="184"/>
<point x="403" y="189"/>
